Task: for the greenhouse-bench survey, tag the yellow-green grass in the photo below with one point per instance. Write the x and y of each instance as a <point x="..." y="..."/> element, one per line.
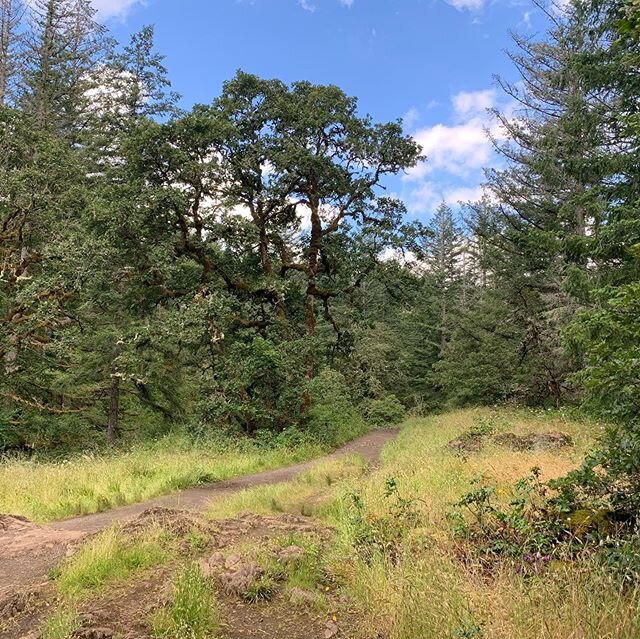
<point x="193" y="611"/>
<point x="87" y="484"/>
<point x="111" y="557"/>
<point x="60" y="624"/>
<point x="429" y="592"/>
<point x="290" y="496"/>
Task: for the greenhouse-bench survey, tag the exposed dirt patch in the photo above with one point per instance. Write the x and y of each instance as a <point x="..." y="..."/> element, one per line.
<point x="468" y="442"/>
<point x="474" y="440"/>
<point x="240" y="544"/>
<point x="28" y="552"/>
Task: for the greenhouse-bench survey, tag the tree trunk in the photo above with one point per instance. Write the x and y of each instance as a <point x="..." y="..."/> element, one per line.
<point x="309" y="305"/>
<point x="113" y="430"/>
<point x="5" y="32"/>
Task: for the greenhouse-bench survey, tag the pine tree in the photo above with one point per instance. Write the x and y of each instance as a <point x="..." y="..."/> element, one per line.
<point x="61" y="50"/>
<point x="442" y="259"/>
<point x="11" y="12"/>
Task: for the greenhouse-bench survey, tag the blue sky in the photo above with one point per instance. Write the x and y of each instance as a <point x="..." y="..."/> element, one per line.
<point x="429" y="61"/>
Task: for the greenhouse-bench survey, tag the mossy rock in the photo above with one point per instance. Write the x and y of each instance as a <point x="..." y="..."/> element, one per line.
<point x="585" y="520"/>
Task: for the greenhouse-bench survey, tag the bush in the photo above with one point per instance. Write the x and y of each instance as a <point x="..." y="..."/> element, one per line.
<point x="333" y="417"/>
<point x="384" y="412"/>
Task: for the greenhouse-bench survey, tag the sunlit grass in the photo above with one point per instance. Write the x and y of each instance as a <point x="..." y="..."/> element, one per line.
<point x="428" y="592"/>
<point x="50" y="491"/>
<point x="110" y="557"/>
<point x="193" y="610"/>
<point x="289" y="496"/>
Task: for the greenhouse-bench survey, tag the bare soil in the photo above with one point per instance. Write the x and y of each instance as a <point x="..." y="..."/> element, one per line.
<point x="28" y="552"/>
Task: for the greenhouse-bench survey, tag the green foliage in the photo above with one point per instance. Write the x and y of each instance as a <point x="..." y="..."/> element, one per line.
<point x="386" y="411"/>
<point x="526" y="530"/>
<point x="608" y="338"/>
<point x="259" y="386"/>
<point x="381" y="536"/>
<point x="333" y="418"/>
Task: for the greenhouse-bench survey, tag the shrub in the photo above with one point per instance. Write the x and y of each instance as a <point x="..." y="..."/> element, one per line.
<point x="333" y="418"/>
<point x="385" y="411"/>
<point x="381" y="536"/>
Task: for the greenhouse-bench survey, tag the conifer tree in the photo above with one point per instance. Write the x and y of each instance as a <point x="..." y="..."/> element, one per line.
<point x="61" y="51"/>
<point x="11" y="12"/>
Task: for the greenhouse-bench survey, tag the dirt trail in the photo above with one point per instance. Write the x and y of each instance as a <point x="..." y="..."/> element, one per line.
<point x="29" y="551"/>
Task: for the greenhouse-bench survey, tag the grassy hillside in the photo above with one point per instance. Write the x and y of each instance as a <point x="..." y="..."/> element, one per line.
<point x="357" y="552"/>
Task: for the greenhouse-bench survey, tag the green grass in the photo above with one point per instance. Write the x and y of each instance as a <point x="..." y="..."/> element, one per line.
<point x="427" y="591"/>
<point x="108" y="558"/>
<point x="193" y="612"/>
<point x="87" y="484"/>
<point x="61" y="624"/>
<point x="290" y="496"/>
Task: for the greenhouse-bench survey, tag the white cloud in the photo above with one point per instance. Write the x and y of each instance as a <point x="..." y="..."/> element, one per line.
<point x="347" y="3"/>
<point x="461" y="147"/>
<point x="114" y="8"/>
<point x="307" y="5"/>
<point x="411" y="118"/>
<point x="463" y="194"/>
<point x="473" y="103"/>
<point x="458" y="150"/>
<point x="470" y="5"/>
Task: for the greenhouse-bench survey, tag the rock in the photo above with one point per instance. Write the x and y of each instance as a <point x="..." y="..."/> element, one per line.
<point x="301" y="596"/>
<point x="331" y="630"/>
<point x="209" y="566"/>
<point x="232" y="561"/>
<point x="238" y="580"/>
<point x="534" y="442"/>
<point x="290" y="554"/>
<point x="205" y="568"/>
<point x="94" y="633"/>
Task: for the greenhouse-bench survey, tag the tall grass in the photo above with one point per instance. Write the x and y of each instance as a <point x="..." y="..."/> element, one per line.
<point x="427" y="591"/>
<point x="291" y="496"/>
<point x="87" y="484"/>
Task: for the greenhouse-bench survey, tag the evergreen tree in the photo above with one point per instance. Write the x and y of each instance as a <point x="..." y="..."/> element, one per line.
<point x="11" y="12"/>
<point x="61" y="51"/>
